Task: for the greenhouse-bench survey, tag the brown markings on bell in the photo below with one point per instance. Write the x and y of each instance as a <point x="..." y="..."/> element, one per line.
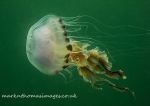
<point x="67" y="40"/>
<point x="69" y="47"/>
<point x="65" y="66"/>
<point x="67" y="55"/>
<point x="60" y="21"/>
<point x="63" y="26"/>
<point x="66" y="58"/>
<point x="65" y="33"/>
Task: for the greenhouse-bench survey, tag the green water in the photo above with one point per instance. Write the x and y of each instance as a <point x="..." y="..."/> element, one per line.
<point x="128" y="45"/>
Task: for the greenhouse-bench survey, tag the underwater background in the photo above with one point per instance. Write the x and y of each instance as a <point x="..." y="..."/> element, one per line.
<point x="124" y="29"/>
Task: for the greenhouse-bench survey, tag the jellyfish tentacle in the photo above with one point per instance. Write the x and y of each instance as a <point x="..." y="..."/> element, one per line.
<point x="97" y="86"/>
<point x="61" y="74"/>
<point x="69" y="72"/>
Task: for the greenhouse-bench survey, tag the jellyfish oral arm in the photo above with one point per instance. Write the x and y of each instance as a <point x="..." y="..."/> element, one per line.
<point x="101" y="65"/>
<point x="92" y="64"/>
<point x="95" y="63"/>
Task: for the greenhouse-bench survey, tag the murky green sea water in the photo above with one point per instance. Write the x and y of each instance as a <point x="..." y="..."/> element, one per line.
<point x="123" y="30"/>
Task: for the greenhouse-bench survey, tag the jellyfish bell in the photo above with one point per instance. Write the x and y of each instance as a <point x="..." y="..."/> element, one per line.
<point x="46" y="45"/>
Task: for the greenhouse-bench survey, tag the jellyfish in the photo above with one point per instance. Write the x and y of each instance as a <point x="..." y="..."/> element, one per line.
<point x="51" y="49"/>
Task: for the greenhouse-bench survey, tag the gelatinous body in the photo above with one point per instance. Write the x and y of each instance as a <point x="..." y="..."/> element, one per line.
<point x="51" y="50"/>
<point x="46" y="46"/>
